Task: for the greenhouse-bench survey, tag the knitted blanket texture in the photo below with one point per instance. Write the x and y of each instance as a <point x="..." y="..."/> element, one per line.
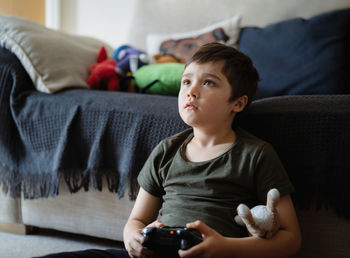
<point x="78" y="134"/>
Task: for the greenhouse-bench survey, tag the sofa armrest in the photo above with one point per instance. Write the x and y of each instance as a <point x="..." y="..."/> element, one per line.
<point x="310" y="134"/>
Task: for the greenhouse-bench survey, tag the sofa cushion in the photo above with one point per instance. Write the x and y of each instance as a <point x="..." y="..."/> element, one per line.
<point x="229" y="27"/>
<point x="300" y="56"/>
<point x="10" y="207"/>
<point x="53" y="60"/>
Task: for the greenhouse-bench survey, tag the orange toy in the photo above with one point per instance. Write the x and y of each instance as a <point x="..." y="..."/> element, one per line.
<point x="167" y="59"/>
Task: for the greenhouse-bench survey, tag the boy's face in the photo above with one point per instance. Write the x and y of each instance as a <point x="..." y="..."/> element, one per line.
<point x="204" y="96"/>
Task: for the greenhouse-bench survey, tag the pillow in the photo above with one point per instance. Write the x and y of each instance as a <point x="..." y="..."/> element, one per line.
<point x="301" y="57"/>
<point x="53" y="60"/>
<point x="163" y="79"/>
<point x="183" y="49"/>
<point x="229" y="27"/>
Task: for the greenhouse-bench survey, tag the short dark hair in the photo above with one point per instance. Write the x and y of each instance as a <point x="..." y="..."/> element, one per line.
<point x="238" y="68"/>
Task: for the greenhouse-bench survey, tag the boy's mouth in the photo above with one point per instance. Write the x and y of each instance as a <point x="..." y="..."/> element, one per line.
<point x="191" y="106"/>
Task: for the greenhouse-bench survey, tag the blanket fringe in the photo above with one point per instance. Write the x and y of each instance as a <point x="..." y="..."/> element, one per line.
<point x="34" y="186"/>
<point x="10" y="182"/>
<point x="31" y="186"/>
<point x="44" y="185"/>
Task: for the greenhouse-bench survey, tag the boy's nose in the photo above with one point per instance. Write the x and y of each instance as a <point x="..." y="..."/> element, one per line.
<point x="192" y="92"/>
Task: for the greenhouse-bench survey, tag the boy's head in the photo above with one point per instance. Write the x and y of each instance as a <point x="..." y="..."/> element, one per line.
<point x="238" y="68"/>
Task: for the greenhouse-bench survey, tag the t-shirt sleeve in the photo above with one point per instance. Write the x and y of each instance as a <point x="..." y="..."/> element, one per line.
<point x="270" y="173"/>
<point x="149" y="177"/>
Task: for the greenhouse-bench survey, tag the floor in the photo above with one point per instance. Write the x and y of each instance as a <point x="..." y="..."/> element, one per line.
<point x="41" y="242"/>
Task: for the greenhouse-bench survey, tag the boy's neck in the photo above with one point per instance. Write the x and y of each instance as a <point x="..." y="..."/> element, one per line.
<point x="206" y="145"/>
<point x="209" y="138"/>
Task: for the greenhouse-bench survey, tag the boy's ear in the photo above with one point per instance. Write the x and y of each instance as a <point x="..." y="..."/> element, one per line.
<point x="240" y="103"/>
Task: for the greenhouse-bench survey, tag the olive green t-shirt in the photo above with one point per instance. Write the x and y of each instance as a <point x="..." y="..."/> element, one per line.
<point x="211" y="190"/>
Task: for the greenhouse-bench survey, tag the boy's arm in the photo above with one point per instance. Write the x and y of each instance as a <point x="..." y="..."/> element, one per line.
<point x="286" y="241"/>
<point x="144" y="213"/>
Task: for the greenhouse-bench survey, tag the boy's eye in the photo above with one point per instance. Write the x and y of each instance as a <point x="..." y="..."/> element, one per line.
<point x="185" y="82"/>
<point x="208" y="83"/>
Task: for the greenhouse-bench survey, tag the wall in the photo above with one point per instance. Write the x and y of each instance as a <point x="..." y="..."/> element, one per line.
<point x="108" y="20"/>
<point x="33" y="10"/>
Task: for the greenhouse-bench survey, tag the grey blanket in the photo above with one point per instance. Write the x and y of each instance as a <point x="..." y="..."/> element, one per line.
<point x="83" y="135"/>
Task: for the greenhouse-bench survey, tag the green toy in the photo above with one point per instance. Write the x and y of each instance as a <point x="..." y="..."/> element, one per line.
<point x="163" y="79"/>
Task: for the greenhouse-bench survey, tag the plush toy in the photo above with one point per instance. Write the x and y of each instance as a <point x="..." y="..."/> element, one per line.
<point x="167" y="59"/>
<point x="261" y="221"/>
<point x="163" y="79"/>
<point x="129" y="59"/>
<point x="103" y="74"/>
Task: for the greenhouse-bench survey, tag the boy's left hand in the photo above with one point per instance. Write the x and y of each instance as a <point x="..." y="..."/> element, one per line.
<point x="210" y="247"/>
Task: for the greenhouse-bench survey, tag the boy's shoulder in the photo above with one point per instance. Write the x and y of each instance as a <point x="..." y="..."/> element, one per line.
<point x="167" y="147"/>
<point x="177" y="139"/>
<point x="250" y="141"/>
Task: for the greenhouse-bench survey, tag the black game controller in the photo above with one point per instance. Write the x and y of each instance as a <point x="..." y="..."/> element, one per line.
<point x="167" y="240"/>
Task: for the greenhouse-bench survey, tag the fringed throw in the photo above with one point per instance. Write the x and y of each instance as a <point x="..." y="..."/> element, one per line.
<point x="78" y="134"/>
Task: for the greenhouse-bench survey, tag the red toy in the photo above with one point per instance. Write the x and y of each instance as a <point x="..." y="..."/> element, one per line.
<point x="103" y="74"/>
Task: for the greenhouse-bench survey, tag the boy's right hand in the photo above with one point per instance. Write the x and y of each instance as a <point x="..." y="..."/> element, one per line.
<point x="134" y="244"/>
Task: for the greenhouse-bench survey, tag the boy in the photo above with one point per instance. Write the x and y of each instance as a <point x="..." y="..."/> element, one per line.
<point x="198" y="177"/>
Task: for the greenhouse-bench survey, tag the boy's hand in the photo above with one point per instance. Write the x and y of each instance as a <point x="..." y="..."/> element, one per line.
<point x="156" y="224"/>
<point x="210" y="246"/>
<point x="134" y="245"/>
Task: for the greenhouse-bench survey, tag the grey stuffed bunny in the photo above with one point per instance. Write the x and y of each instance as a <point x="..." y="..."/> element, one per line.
<point x="261" y="221"/>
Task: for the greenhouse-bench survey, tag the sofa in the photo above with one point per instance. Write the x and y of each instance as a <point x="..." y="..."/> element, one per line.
<point x="69" y="155"/>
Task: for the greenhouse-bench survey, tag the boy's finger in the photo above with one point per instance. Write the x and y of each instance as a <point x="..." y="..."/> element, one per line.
<point x="139" y="237"/>
<point x="195" y="251"/>
<point x="200" y="226"/>
<point x="156" y="224"/>
<point x="135" y="248"/>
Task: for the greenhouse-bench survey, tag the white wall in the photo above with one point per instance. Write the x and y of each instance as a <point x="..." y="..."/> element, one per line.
<point x="108" y="20"/>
